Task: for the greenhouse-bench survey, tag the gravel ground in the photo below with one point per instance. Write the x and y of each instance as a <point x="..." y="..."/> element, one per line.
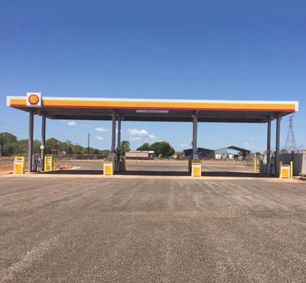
<point x="162" y="167"/>
<point x="72" y="229"/>
<point x="6" y="166"/>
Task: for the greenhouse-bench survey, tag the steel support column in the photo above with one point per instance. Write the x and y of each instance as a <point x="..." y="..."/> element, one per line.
<point x="118" y="143"/>
<point x="113" y="147"/>
<point x="30" y="144"/>
<point x="194" y="135"/>
<point x="43" y="142"/>
<point x="269" y="148"/>
<point x="119" y="134"/>
<point x="277" y="150"/>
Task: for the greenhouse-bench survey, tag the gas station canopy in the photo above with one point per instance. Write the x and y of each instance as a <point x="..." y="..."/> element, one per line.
<point x="159" y="110"/>
<point x="153" y="109"/>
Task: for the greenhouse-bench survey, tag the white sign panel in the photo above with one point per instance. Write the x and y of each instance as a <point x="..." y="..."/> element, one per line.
<point x="34" y="99"/>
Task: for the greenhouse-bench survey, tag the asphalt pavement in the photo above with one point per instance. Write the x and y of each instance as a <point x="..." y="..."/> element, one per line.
<point x="73" y="229"/>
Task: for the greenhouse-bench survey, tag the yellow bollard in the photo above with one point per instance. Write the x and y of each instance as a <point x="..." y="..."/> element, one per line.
<point x="196" y="170"/>
<point x="291" y="169"/>
<point x="108" y="168"/>
<point x="49" y="164"/>
<point x="19" y="165"/>
<point x="285" y="171"/>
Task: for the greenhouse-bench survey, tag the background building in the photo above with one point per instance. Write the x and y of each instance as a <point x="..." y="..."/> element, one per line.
<point x="141" y="155"/>
<point x="231" y="152"/>
<point x="203" y="153"/>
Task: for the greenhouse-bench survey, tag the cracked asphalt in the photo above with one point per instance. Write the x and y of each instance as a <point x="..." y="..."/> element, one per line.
<point x="151" y="230"/>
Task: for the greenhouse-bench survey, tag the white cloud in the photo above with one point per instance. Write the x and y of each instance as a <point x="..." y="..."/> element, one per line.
<point x="140" y="134"/>
<point x="249" y="145"/>
<point x="101" y="130"/>
<point x="183" y="145"/>
<point x="99" y="138"/>
<point x="71" y="123"/>
<point x="135" y="138"/>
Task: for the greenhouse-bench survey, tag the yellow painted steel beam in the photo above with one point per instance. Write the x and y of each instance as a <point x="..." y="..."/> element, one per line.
<point x="260" y="106"/>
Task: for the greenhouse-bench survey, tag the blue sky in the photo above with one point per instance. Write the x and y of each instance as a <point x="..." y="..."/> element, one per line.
<point x="245" y="50"/>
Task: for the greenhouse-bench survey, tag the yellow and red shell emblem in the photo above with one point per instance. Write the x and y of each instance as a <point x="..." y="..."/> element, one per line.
<point x="33" y="99"/>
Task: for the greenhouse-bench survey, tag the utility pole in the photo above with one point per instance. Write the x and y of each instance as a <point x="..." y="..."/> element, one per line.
<point x="88" y="143"/>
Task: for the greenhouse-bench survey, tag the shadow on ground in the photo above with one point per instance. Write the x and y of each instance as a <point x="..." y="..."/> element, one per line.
<point x="74" y="172"/>
<point x="233" y="174"/>
<point x="159" y="173"/>
<point x="155" y="173"/>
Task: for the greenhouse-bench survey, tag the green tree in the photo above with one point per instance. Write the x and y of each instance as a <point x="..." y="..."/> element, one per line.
<point x="11" y="146"/>
<point x="36" y="147"/>
<point x="124" y="147"/>
<point x="162" y="149"/>
<point x="8" y="138"/>
<point x="9" y="143"/>
<point x="144" y="147"/>
<point x="52" y="146"/>
<point x="78" y="149"/>
<point x="68" y="147"/>
<point x="22" y="147"/>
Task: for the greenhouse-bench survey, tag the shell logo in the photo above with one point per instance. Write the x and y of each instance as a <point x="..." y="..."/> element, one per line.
<point x="33" y="99"/>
